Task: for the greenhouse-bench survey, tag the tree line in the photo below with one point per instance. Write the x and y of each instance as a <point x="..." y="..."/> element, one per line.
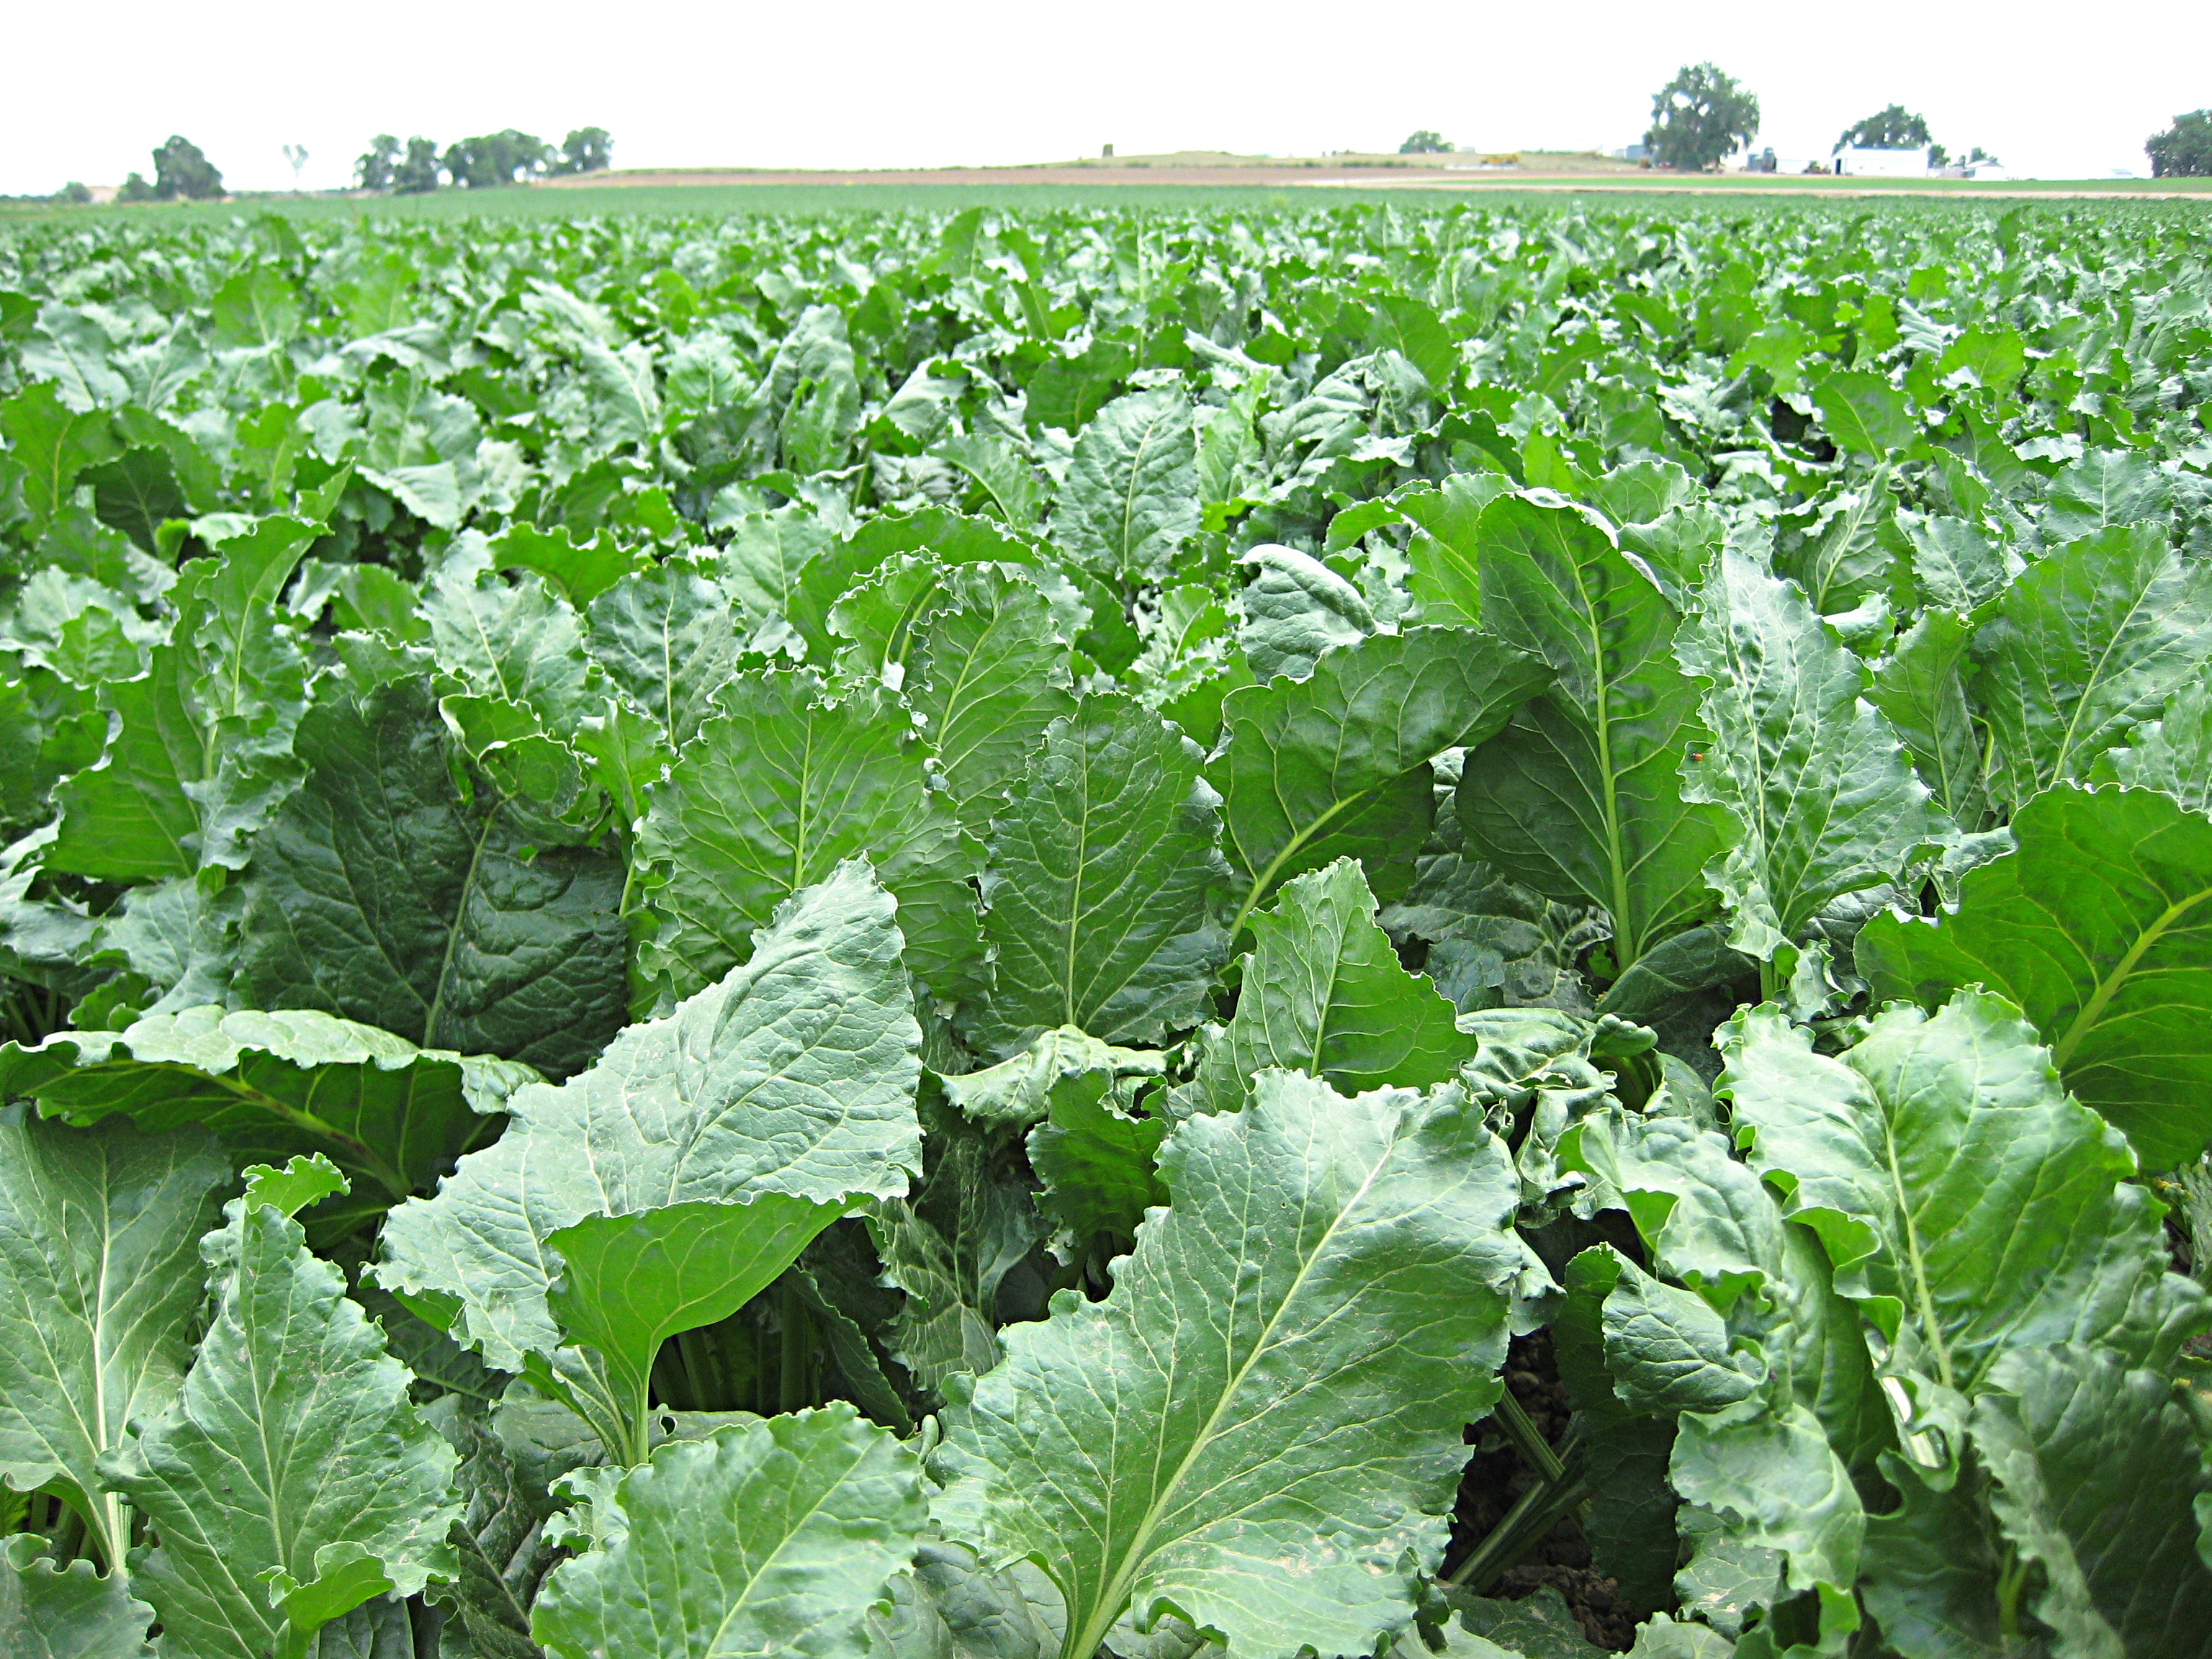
<point x="1703" y="115"/>
<point x="487" y="161"/>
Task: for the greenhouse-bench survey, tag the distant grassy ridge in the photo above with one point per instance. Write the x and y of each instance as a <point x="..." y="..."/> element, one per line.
<point x="801" y="194"/>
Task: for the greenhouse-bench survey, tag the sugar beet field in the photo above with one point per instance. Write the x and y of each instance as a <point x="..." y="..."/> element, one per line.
<point x="1395" y="930"/>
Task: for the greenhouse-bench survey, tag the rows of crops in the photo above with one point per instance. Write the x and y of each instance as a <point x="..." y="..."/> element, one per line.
<point x="1362" y="931"/>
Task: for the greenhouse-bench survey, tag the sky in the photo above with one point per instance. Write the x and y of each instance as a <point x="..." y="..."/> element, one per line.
<point x="2055" y="92"/>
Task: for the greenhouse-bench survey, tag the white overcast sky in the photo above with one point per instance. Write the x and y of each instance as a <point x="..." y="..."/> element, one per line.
<point x="87" y="92"/>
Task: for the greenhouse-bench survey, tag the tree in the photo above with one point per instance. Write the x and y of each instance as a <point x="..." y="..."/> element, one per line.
<point x="497" y="158"/>
<point x="75" y="191"/>
<point x="1894" y="127"/>
<point x="136" y="189"/>
<point x="180" y="169"/>
<point x="2183" y="151"/>
<point x="1700" y="118"/>
<point x="376" y="164"/>
<point x="1426" y="143"/>
<point x="417" y="174"/>
<point x="588" y="149"/>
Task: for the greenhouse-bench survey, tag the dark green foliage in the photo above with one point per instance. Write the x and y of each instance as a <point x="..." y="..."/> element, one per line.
<point x="2183" y="151"/>
<point x="1700" y="118"/>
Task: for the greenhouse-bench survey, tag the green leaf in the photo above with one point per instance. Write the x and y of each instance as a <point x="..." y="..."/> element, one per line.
<point x="53" y="1611"/>
<point x="990" y="673"/>
<point x="98" y="1230"/>
<point x="1995" y="356"/>
<point x="53" y="443"/>
<point x="1131" y="496"/>
<point x="1338" y="764"/>
<point x="2172" y="753"/>
<point x="1444" y="550"/>
<point x="1930" y="1568"/>
<point x="1843" y="548"/>
<point x="201" y="749"/>
<point x="1170" y="1447"/>
<point x="770" y="797"/>
<point x="666" y="636"/>
<point x="1921" y="692"/>
<point x="2095" y="1474"/>
<point x="2100" y="928"/>
<point x="1761" y="1467"/>
<point x="292" y="1479"/>
<point x="2105" y="488"/>
<point x="1864" y="413"/>
<point x="1097" y="1160"/>
<point x="385" y="894"/>
<point x="518" y="640"/>
<point x="1295" y="608"/>
<point x="951" y="1247"/>
<point x="275" y="1084"/>
<point x="1580" y="796"/>
<point x="1824" y="802"/>
<point x="1323" y="994"/>
<point x="1103" y="876"/>
<point x="1666" y="1350"/>
<point x="1956" y="565"/>
<point x="773" y="1536"/>
<point x="1017" y="1093"/>
<point x="793" y="1075"/>
<point x="582" y="573"/>
<point x="2089" y="640"/>
<point x="256" y="308"/>
<point x="629" y="1283"/>
<point x="1970" y="1207"/>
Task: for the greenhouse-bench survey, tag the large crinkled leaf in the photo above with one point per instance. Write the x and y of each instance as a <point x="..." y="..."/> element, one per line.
<point x="1971" y="1207"/>
<point x="1179" y="1444"/>
<point x="1323" y="993"/>
<point x="1338" y="763"/>
<point x="945" y="1606"/>
<point x="2100" y="927"/>
<point x="1580" y="797"/>
<point x="1760" y="1466"/>
<point x="1920" y="689"/>
<point x="2088" y="641"/>
<point x="1822" y="799"/>
<point x="1491" y="941"/>
<point x="1929" y="1568"/>
<point x="384" y="893"/>
<point x="990" y="674"/>
<point x="49" y="1611"/>
<point x="1017" y="1093"/>
<point x="667" y="635"/>
<point x="500" y="1540"/>
<point x="770" y="796"/>
<point x="199" y="754"/>
<point x="1104" y="877"/>
<point x="2095" y="1474"/>
<point x="949" y="1248"/>
<point x="2173" y="752"/>
<point x="1295" y="608"/>
<point x="516" y="639"/>
<point x="1131" y="495"/>
<point x="292" y="1479"/>
<point x="273" y="1084"/>
<point x="1841" y="547"/>
<point x="99" y="1233"/>
<point x="772" y="1536"/>
<point x="795" y="1075"/>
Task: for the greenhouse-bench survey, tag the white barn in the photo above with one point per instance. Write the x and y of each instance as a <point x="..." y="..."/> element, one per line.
<point x="1883" y="163"/>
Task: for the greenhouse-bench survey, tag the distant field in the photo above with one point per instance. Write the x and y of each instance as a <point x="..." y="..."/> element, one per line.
<point x="803" y="195"/>
<point x="1180" y="179"/>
